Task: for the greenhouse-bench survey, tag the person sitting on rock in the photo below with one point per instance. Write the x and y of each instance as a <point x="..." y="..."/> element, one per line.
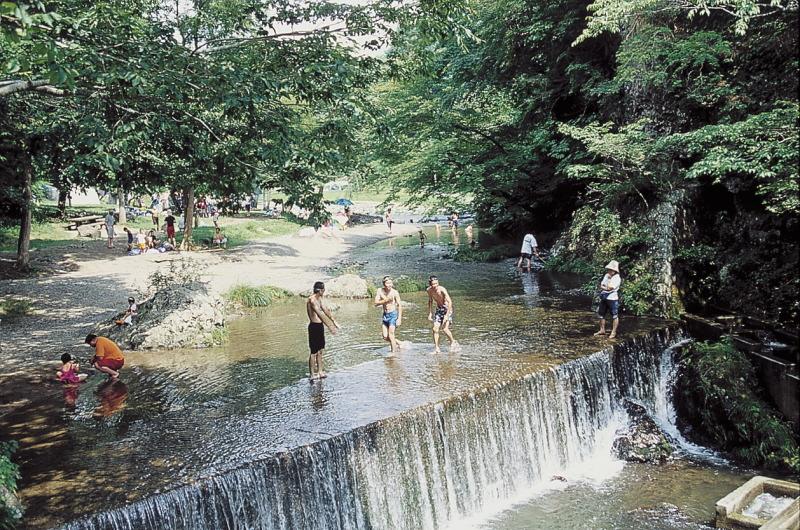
<point x="127" y="317"/>
<point x="219" y="239"/>
<point x="108" y="358"/>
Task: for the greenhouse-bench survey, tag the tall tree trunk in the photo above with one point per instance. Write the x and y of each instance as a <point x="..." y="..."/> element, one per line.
<point x="123" y="217"/>
<point x="662" y="219"/>
<point x="24" y="242"/>
<point x="62" y="203"/>
<point x="188" y="214"/>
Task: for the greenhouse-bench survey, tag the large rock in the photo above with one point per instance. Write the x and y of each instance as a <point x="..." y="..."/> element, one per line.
<point x="177" y="317"/>
<point x="643" y="440"/>
<point x="347" y="286"/>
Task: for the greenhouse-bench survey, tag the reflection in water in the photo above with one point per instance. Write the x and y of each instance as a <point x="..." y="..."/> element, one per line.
<point x="318" y="396"/>
<point x="71" y="395"/>
<point x="113" y="395"/>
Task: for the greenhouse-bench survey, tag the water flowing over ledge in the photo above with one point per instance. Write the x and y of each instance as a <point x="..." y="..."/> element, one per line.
<point x="429" y="467"/>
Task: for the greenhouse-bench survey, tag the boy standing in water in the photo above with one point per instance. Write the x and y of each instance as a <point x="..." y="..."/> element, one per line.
<point x="319" y="316"/>
<point x="443" y="316"/>
<point x="389" y="298"/>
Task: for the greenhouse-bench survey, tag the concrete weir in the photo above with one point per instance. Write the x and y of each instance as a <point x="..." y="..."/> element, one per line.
<point x="403" y="446"/>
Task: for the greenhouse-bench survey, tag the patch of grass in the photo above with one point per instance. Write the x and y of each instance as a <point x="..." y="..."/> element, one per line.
<point x="220" y="335"/>
<point x="405" y="284"/>
<point x="16" y="307"/>
<point x="241" y="233"/>
<point x="371" y="290"/>
<point x="43" y="235"/>
<point x="250" y="296"/>
<point x="492" y="254"/>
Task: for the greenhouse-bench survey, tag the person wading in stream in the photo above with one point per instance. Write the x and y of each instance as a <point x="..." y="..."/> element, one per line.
<point x="389" y="298"/>
<point x="609" y="299"/>
<point x="442" y="318"/>
<point x="319" y="316"/>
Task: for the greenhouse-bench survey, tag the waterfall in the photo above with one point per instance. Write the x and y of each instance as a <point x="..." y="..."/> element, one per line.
<point x="437" y="466"/>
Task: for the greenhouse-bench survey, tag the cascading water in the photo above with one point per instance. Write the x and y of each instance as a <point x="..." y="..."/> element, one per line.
<point x="436" y="466"/>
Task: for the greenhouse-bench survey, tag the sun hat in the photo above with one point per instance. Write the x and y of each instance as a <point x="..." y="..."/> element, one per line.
<point x="613" y="265"/>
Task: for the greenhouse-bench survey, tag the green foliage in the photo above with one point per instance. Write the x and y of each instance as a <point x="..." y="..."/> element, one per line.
<point x="718" y="394"/>
<point x="261" y="296"/>
<point x="616" y="16"/>
<point x="763" y="147"/>
<point x="10" y="513"/>
<point x="220" y="335"/>
<point x="16" y="307"/>
<point x="406" y="284"/>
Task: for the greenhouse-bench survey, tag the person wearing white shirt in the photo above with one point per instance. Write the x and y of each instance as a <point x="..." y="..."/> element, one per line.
<point x="609" y="299"/>
<point x="529" y="248"/>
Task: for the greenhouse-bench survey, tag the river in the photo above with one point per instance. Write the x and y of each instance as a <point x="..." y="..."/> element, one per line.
<point x="235" y="437"/>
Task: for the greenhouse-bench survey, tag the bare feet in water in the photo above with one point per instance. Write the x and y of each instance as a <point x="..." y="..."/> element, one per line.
<point x="599" y="333"/>
<point x="455" y="347"/>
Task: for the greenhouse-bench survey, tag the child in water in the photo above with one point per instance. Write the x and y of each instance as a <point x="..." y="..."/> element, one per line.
<point x="422" y="238"/>
<point x="69" y="370"/>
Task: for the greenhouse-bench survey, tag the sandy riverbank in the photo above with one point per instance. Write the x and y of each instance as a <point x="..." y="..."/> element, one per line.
<point x="96" y="283"/>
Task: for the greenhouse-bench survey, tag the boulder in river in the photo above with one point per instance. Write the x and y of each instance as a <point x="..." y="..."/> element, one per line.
<point x="184" y="316"/>
<point x="347" y="286"/>
<point x="642" y="440"/>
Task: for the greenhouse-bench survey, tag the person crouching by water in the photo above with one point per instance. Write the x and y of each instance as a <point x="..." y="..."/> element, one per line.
<point x="69" y="370"/>
<point x="319" y="316"/>
<point x="609" y="299"/>
<point x="389" y="298"/>
<point x="108" y="357"/>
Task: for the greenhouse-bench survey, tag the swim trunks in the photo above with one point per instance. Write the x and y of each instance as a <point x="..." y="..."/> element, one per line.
<point x="441" y="311"/>
<point x="390" y="319"/>
<point x="170" y="231"/>
<point x="316" y="337"/>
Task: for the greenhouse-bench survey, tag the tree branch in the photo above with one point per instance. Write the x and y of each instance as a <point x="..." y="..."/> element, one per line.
<point x="9" y="87"/>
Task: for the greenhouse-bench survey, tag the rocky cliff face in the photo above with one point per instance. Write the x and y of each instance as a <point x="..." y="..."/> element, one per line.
<point x="176" y="317"/>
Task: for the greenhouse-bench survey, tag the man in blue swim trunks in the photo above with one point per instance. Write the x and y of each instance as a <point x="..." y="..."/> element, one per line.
<point x="389" y="298"/>
<point x="443" y="316"/>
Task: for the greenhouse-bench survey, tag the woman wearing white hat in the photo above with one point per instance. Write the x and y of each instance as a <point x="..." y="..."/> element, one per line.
<point x="609" y="298"/>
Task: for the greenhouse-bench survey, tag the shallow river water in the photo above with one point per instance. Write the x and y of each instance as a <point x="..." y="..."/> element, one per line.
<point x="182" y="417"/>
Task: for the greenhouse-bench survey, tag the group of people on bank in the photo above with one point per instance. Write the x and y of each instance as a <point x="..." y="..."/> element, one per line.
<point x="440" y="313"/>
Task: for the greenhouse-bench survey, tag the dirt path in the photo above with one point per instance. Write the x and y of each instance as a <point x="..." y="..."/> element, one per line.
<point x="92" y="283"/>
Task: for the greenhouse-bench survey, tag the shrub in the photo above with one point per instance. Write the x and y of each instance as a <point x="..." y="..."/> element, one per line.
<point x="250" y="296"/>
<point x="716" y="394"/>
<point x="10" y="510"/>
<point x="405" y="284"/>
<point x="220" y="335"/>
<point x="16" y="307"/>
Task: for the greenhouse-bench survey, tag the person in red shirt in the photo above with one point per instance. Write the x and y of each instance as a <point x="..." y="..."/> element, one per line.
<point x="108" y="357"/>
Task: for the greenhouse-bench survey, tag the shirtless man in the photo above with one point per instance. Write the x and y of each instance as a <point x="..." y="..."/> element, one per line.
<point x="443" y="316"/>
<point x="389" y="298"/>
<point x="319" y="316"/>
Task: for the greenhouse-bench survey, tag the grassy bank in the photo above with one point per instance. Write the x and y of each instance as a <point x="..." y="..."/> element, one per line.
<point x="251" y="296"/>
<point x="52" y="232"/>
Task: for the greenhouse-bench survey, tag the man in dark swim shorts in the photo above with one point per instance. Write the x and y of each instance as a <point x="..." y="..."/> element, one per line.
<point x="319" y="316"/>
<point x="442" y="318"/>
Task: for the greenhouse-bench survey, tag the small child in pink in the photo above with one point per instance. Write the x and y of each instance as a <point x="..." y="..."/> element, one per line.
<point x="69" y="370"/>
